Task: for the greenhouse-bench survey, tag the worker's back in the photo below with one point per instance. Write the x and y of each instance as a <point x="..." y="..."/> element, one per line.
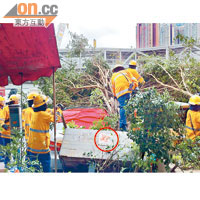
<point x="135" y="74"/>
<point x="39" y="137"/>
<point x="193" y="124"/>
<point x="121" y="82"/>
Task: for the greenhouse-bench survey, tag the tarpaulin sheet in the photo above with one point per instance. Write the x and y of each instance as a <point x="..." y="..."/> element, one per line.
<point x="84" y="116"/>
<point x="27" y="53"/>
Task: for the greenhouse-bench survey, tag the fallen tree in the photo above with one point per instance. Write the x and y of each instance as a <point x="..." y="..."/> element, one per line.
<point x="178" y="74"/>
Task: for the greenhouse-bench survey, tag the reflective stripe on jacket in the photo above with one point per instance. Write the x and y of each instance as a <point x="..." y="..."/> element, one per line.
<point x="193" y="129"/>
<point x="6" y="116"/>
<point x="120" y="83"/>
<point x="27" y="120"/>
<point x="135" y="74"/>
<point x="39" y="137"/>
<point x="37" y="150"/>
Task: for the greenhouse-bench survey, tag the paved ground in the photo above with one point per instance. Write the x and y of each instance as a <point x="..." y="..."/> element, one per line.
<point x="177" y="170"/>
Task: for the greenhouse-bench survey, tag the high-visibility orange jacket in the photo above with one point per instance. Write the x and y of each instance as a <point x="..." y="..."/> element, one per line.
<point x="39" y="137"/>
<point x="6" y="118"/>
<point x="26" y="116"/>
<point x="193" y="124"/>
<point x="121" y="81"/>
<point x="135" y="74"/>
<point x="58" y="113"/>
<point x="1" y="118"/>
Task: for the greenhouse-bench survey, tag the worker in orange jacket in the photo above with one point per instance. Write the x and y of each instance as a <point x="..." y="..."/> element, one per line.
<point x="59" y="112"/>
<point x="39" y="137"/>
<point x="193" y="118"/>
<point x="26" y="115"/>
<point x="123" y="84"/>
<point x="1" y="121"/>
<point x="6" y="133"/>
<point x="132" y="70"/>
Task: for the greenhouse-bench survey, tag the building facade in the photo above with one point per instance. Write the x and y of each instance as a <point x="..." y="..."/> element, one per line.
<point x="164" y="34"/>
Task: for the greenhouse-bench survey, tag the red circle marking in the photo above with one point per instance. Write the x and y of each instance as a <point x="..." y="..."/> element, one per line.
<point x="115" y="134"/>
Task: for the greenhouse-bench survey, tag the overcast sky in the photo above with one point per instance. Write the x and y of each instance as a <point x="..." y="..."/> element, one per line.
<point x="109" y="22"/>
<point x="105" y="36"/>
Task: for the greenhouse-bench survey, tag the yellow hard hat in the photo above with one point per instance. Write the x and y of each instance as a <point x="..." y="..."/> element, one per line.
<point x="132" y="62"/>
<point x="116" y="66"/>
<point x="2" y="101"/>
<point x="31" y="96"/>
<point x="39" y="100"/>
<point x="2" y="98"/>
<point x="194" y="100"/>
<point x="14" y="98"/>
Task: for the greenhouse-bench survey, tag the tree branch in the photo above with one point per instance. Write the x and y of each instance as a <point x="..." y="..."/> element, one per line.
<point x="85" y="87"/>
<point x="163" y="69"/>
<point x="183" y="79"/>
<point x="172" y="87"/>
<point x="169" y="75"/>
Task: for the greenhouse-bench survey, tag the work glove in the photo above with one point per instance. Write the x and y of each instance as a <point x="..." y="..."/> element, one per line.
<point x="5" y="126"/>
